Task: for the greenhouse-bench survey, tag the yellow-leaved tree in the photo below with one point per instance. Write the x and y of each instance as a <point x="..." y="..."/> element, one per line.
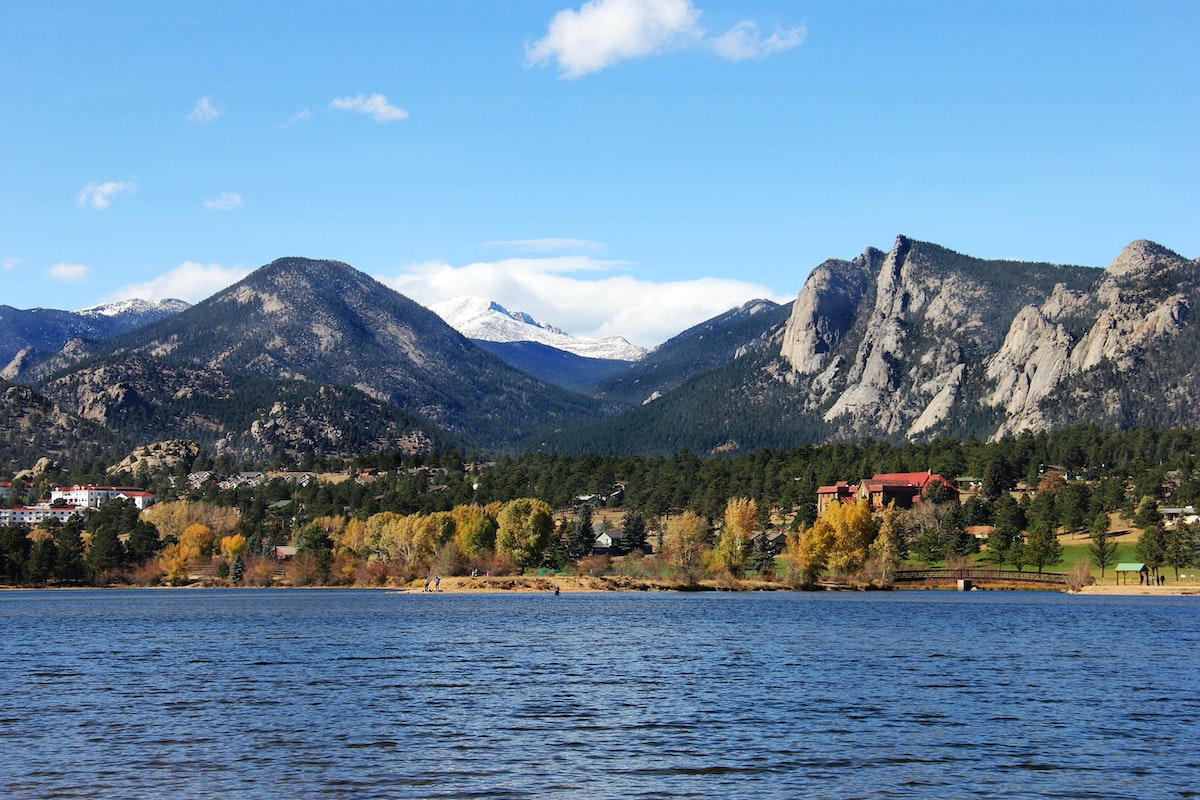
<point x="686" y="541"/>
<point x="888" y="547"/>
<point x="354" y="538"/>
<point x="807" y="553"/>
<point x="733" y="546"/>
<point x="474" y="530"/>
<point x="195" y="541"/>
<point x="853" y="532"/>
<point x="233" y="546"/>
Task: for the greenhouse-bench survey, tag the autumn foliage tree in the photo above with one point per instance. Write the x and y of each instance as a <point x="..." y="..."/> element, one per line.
<point x="838" y="541"/>
<point x="733" y="546"/>
<point x="686" y="542"/>
<point x="524" y="528"/>
<point x="195" y="541"/>
<point x="852" y="534"/>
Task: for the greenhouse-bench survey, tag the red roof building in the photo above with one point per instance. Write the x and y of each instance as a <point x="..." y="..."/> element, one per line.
<point x="882" y="489"/>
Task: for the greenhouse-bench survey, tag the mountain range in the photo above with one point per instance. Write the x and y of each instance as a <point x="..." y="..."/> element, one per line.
<point x="914" y="343"/>
<point x="542" y="350"/>
<point x="28" y="336"/>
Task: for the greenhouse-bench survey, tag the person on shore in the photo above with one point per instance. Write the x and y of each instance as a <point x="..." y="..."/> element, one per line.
<point x="426" y="589"/>
<point x="437" y="583"/>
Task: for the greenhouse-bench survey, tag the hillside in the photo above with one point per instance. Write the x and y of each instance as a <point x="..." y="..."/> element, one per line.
<point x="29" y="336"/>
<point x="33" y="428"/>
<point x="210" y="373"/>
<point x="913" y="344"/>
<point x="709" y="345"/>
<point x="923" y="342"/>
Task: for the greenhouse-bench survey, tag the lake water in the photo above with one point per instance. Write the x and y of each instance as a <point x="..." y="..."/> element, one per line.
<point x="364" y="694"/>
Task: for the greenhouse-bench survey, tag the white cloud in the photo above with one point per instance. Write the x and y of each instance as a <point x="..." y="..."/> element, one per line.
<point x="744" y="41"/>
<point x="226" y="202"/>
<point x="190" y="281"/>
<point x="582" y="295"/>
<point x="299" y="117"/>
<point x="12" y="263"/>
<point x="204" y="112"/>
<point x="604" y="32"/>
<point x="70" y="273"/>
<point x="375" y="106"/>
<point x="99" y="195"/>
<point x="547" y="245"/>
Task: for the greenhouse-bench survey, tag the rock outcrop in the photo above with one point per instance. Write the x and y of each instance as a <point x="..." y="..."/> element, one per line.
<point x="924" y="341"/>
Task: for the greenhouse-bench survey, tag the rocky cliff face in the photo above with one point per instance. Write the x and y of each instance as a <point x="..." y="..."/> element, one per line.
<point x="924" y="341"/>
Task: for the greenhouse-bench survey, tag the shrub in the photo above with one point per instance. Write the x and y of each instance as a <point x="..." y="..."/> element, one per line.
<point x="260" y="572"/>
<point x="1080" y="575"/>
<point x="300" y="571"/>
<point x="592" y="565"/>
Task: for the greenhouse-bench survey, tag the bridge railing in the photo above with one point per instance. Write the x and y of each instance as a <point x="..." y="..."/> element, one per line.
<point x="980" y="575"/>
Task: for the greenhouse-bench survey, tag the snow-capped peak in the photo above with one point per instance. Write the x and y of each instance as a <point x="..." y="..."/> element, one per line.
<point x="135" y="307"/>
<point x="488" y="321"/>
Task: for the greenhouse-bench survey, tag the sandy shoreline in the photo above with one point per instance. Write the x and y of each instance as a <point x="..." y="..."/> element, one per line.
<point x="572" y="584"/>
<point x="1168" y="590"/>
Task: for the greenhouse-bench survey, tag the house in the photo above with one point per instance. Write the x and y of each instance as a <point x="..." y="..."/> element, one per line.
<point x="883" y="489"/>
<point x="142" y="500"/>
<point x="840" y="492"/>
<point x="608" y="542"/>
<point x="1173" y="516"/>
<point x="776" y="540"/>
<point x="902" y="488"/>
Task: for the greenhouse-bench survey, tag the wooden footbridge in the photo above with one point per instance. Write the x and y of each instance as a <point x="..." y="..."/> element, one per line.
<point x="981" y="576"/>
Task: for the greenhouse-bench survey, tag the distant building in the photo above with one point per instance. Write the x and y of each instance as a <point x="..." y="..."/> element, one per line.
<point x="33" y="515"/>
<point x="90" y="496"/>
<point x="883" y="489"/>
<point x="840" y="492"/>
<point x="608" y="541"/>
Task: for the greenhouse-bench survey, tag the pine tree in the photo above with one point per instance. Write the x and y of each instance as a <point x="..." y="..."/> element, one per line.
<point x="581" y="536"/>
<point x="762" y="555"/>
<point x="633" y="532"/>
<point x="1043" y="547"/>
<point x="1102" y="549"/>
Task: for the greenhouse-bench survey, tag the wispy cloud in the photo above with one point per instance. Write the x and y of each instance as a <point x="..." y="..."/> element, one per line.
<point x="227" y="201"/>
<point x="69" y="273"/>
<point x="588" y="297"/>
<point x="204" y="112"/>
<point x="547" y="245"/>
<point x="11" y="263"/>
<point x="299" y="117"/>
<point x="744" y="41"/>
<point x="605" y="32"/>
<point x="190" y="281"/>
<point x="100" y="195"/>
<point x="375" y="106"/>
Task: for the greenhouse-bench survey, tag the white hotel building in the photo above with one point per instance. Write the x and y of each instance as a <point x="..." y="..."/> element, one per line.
<point x="89" y="496"/>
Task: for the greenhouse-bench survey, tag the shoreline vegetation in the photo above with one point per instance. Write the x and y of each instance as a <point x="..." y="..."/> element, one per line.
<point x="1072" y="507"/>
<point x="604" y="584"/>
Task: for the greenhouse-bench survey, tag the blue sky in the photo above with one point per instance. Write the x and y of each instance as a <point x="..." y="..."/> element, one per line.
<point x="624" y="167"/>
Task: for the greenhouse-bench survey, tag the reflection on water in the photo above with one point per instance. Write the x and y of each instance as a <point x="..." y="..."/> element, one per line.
<point x="211" y="693"/>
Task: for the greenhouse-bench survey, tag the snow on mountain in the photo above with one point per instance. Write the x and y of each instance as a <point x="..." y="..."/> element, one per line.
<point x="135" y="308"/>
<point x="477" y="318"/>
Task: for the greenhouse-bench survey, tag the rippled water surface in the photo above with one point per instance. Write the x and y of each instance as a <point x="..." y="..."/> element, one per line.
<point x="211" y="693"/>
